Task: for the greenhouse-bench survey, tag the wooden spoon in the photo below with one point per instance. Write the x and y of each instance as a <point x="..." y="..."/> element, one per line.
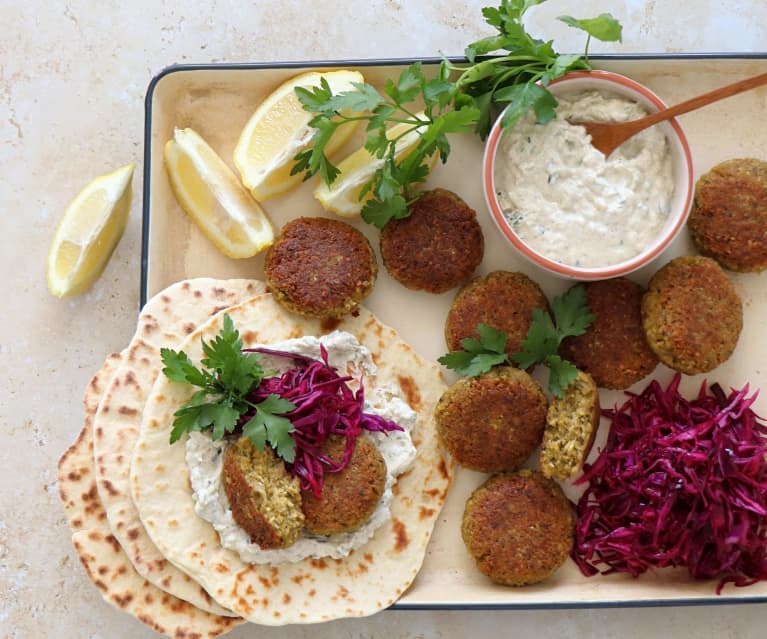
<point x="608" y="136"/>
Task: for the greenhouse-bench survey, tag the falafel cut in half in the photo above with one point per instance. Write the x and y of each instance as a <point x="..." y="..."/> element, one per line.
<point x="692" y="314"/>
<point x="518" y="527"/>
<point x="321" y="268"/>
<point x="728" y="219"/>
<point x="348" y="497"/>
<point x="437" y="247"/>
<point x="264" y="498"/>
<point x="614" y="349"/>
<point x="571" y="425"/>
<point x="492" y="422"/>
<point x="502" y="299"/>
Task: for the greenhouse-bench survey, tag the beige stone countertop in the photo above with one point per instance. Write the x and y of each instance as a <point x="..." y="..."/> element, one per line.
<point x="73" y="77"/>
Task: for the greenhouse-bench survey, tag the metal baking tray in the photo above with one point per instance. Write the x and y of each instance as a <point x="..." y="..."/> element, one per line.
<point x="216" y="100"/>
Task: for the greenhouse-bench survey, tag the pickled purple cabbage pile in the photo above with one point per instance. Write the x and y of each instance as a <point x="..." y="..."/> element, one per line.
<point x="679" y="483"/>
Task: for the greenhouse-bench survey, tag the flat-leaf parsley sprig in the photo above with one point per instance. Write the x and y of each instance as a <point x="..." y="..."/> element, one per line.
<point x="571" y="317"/>
<point x="478" y="356"/>
<point x="462" y="97"/>
<point x="518" y="79"/>
<point x="227" y="379"/>
<point x="425" y="106"/>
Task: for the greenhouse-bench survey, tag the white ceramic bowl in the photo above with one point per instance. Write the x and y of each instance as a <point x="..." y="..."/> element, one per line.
<point x="681" y="161"/>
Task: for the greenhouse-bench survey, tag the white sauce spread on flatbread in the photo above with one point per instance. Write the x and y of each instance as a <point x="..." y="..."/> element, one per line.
<point x="204" y="457"/>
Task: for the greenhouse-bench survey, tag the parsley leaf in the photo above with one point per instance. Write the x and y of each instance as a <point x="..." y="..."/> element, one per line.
<point x="179" y="368"/>
<point x="540" y="341"/>
<point x="268" y="426"/>
<point x="522" y="98"/>
<point x="228" y="377"/>
<point x="571" y="313"/>
<point x="478" y="355"/>
<point x="571" y="317"/>
<point x="604" y="27"/>
<point x="561" y="373"/>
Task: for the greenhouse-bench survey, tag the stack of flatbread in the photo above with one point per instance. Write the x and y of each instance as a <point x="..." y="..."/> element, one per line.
<point x="127" y="495"/>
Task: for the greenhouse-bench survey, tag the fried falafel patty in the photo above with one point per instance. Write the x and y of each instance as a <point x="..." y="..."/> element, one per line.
<point x="264" y="498"/>
<point x="614" y="349"/>
<point x="504" y="300"/>
<point x="571" y="425"/>
<point x="518" y="527"/>
<point x="728" y="219"/>
<point x="318" y="267"/>
<point x="492" y="422"/>
<point x="349" y="497"/>
<point x="692" y="315"/>
<point x="437" y="247"/>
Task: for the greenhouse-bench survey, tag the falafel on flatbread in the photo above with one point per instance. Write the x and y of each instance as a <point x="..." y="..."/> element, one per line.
<point x="315" y="589"/>
<point x="165" y="321"/>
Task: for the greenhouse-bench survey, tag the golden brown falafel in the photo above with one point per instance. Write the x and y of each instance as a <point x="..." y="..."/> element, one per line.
<point x="350" y="497"/>
<point x="692" y="315"/>
<point x="728" y="219"/>
<point x="571" y="425"/>
<point x="614" y="349"/>
<point x="492" y="422"/>
<point x="265" y="500"/>
<point x="518" y="527"/>
<point x="318" y="267"/>
<point x="437" y="247"/>
<point x="503" y="300"/>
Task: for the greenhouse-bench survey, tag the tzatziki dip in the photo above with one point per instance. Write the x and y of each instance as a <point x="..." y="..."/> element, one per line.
<point x="205" y="457"/>
<point x="569" y="203"/>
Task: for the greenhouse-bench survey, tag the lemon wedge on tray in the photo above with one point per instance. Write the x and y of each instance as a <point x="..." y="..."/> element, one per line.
<point x="92" y="225"/>
<point x="209" y="191"/>
<point x="342" y="197"/>
<point x="279" y="128"/>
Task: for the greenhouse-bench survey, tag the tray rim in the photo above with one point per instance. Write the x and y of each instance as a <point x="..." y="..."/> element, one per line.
<point x="402" y="61"/>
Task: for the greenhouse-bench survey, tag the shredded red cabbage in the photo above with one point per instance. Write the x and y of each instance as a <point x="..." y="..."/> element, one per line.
<point x="324" y="406"/>
<point x="679" y="483"/>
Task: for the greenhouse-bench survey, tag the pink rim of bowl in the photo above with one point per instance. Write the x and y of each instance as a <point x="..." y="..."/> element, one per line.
<point x="683" y="180"/>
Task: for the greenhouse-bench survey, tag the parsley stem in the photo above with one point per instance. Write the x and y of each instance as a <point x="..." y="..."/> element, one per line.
<point x="518" y="71"/>
<point x="479" y="71"/>
<point x="366" y="118"/>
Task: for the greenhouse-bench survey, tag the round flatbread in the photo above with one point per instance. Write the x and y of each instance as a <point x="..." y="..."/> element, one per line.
<point x="312" y="590"/>
<point x="77" y="483"/>
<point x="104" y="561"/>
<point x="165" y="321"/>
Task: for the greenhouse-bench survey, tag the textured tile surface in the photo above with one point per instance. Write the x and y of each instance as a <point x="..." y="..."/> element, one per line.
<point x="72" y="82"/>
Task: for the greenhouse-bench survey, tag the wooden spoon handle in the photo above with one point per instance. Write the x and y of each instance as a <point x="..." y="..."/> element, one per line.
<point x="706" y="98"/>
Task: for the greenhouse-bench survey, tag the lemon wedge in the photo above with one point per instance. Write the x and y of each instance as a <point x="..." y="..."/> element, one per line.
<point x="209" y="191"/>
<point x="342" y="197"/>
<point x="279" y="129"/>
<point x="92" y="225"/>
